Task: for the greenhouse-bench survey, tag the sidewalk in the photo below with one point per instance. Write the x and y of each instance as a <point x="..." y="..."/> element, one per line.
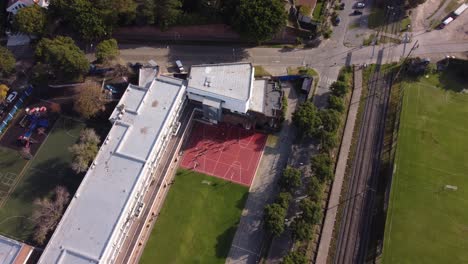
<point x="333" y="202"/>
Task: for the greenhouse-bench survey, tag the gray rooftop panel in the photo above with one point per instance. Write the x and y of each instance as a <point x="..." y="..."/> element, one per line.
<point x="230" y="79"/>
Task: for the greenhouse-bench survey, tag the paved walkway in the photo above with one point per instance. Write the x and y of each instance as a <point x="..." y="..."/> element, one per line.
<point x="247" y="244"/>
<point x="327" y="229"/>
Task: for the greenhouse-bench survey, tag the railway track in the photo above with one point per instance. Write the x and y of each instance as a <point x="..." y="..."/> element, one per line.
<point x="354" y="231"/>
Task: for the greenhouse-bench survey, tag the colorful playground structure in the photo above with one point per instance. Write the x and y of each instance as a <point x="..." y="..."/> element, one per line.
<point x="34" y="118"/>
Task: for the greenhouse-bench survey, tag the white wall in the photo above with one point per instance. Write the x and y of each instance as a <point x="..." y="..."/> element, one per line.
<point x="232" y="104"/>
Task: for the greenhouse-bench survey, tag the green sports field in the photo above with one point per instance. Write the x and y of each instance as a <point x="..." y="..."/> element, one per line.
<point x="28" y="181"/>
<point x="426" y="222"/>
<point x="198" y="221"/>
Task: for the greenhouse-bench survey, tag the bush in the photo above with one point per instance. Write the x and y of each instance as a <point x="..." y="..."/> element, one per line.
<point x="328" y="141"/>
<point x="330" y="119"/>
<point x="107" y="50"/>
<point x="339" y="88"/>
<point x="284" y="198"/>
<point x="295" y="257"/>
<point x="88" y="101"/>
<point x="274" y="218"/>
<point x="321" y="165"/>
<point x="291" y="179"/>
<point x="315" y="189"/>
<point x="301" y="230"/>
<point x="311" y="211"/>
<point x="336" y="103"/>
<point x="7" y="61"/>
<point x="307" y="119"/>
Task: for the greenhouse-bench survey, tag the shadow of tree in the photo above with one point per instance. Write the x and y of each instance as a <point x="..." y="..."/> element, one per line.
<point x="224" y="240"/>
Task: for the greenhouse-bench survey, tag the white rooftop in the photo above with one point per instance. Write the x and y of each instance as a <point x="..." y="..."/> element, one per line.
<point x="258" y="95"/>
<point x="229" y="79"/>
<point x="9" y="249"/>
<point x="102" y="200"/>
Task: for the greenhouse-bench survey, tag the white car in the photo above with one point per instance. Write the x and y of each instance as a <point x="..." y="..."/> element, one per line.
<point x="11" y="97"/>
<point x="360" y="5"/>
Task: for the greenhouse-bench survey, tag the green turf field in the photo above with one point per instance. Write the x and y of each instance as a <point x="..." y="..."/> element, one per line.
<point x="198" y="221"/>
<point x="50" y="167"/>
<point x="427" y="223"/>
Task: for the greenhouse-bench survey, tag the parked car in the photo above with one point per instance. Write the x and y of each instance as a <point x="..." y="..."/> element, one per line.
<point x="11" y="97"/>
<point x="360" y="5"/>
<point x="357" y="13"/>
<point x="179" y="66"/>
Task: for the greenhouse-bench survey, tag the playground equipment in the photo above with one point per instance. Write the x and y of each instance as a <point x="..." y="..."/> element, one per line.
<point x="34" y="119"/>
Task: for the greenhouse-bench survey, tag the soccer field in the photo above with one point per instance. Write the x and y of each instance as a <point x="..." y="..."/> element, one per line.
<point x="426" y="222"/>
<point x="198" y="221"/>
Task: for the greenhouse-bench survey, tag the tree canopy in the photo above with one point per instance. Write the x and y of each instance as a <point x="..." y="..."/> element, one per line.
<point x="274" y="218"/>
<point x="339" y="88"/>
<point x="301" y="229"/>
<point x="85" y="150"/>
<point x="311" y="211"/>
<point x="88" y="101"/>
<point x="290" y="179"/>
<point x="47" y="213"/>
<point x="307" y="119"/>
<point x="330" y="119"/>
<point x="65" y="59"/>
<point x="283" y="199"/>
<point x="321" y="166"/>
<point x="3" y="91"/>
<point x="31" y="20"/>
<point x="295" y="257"/>
<point x="336" y="103"/>
<point x="260" y="20"/>
<point x="7" y="61"/>
<point x="107" y="50"/>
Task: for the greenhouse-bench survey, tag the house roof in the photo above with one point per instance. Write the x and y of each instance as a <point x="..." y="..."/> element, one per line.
<point x="228" y="79"/>
<point x="102" y="201"/>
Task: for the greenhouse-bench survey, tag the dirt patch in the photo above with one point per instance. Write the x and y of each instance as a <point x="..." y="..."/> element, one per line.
<point x="421" y="15"/>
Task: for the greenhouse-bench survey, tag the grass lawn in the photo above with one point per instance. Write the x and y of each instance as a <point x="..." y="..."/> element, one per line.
<point x="260" y="71"/>
<point x="426" y="223"/>
<point x="317" y="14"/>
<point x="50" y="167"/>
<point x="198" y="221"/>
<point x="404" y="23"/>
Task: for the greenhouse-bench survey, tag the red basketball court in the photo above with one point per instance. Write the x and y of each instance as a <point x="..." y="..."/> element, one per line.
<point x="224" y="151"/>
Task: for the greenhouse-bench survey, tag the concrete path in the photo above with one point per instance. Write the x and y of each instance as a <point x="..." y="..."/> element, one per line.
<point x="247" y="244"/>
<point x="327" y="229"/>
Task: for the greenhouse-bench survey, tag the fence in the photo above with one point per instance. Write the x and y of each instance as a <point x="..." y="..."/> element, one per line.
<point x="15" y="108"/>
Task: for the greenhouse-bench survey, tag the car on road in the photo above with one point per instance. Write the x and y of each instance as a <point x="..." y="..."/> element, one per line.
<point x="360" y="5"/>
<point x="357" y="13"/>
<point x="11" y="97"/>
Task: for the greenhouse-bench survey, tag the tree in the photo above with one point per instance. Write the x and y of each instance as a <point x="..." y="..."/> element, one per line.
<point x="48" y="212"/>
<point x="85" y="150"/>
<point x="65" y="59"/>
<point x="283" y="199"/>
<point x="31" y="20"/>
<point x="295" y="257"/>
<point x="339" y="88"/>
<point x="301" y="230"/>
<point x="167" y="12"/>
<point x="306" y="118"/>
<point x="88" y="101"/>
<point x="260" y="20"/>
<point x="7" y="61"/>
<point x="336" y="103"/>
<point x="3" y="91"/>
<point x="315" y="189"/>
<point x="291" y="179"/>
<point x="146" y="12"/>
<point x="321" y="166"/>
<point x="274" y="218"/>
<point x="328" y="140"/>
<point x="311" y="211"/>
<point x="107" y="50"/>
<point x="330" y="119"/>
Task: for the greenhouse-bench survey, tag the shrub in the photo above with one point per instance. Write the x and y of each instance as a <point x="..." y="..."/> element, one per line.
<point x="274" y="218"/>
<point x="336" y="103"/>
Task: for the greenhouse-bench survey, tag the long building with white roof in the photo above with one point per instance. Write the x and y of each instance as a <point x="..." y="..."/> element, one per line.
<point x="108" y="200"/>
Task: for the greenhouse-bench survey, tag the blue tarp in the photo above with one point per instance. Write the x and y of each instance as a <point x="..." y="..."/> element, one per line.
<point x="289" y="77"/>
<point x="15" y="108"/>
